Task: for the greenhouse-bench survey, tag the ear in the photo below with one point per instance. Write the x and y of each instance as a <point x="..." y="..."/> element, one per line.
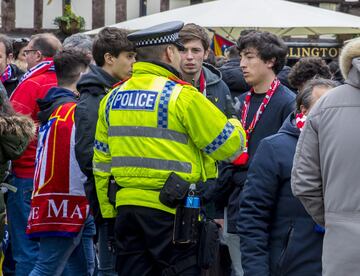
<point x="206" y="55"/>
<point x="9" y="58"/>
<point x="270" y="63"/>
<point x="303" y="109"/>
<point x="39" y="56"/>
<point x="108" y="58"/>
<point x="169" y="53"/>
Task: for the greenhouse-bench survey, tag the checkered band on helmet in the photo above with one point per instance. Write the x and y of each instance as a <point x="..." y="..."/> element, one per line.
<point x="158" y="40"/>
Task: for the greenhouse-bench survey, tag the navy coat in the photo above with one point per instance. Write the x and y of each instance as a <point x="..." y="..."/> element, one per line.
<point x="277" y="235"/>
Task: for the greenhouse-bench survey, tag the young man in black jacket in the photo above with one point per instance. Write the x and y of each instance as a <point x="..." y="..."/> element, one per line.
<point x="262" y="112"/>
<point x="114" y="55"/>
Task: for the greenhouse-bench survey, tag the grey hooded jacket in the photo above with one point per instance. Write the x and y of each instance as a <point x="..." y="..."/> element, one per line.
<point x="326" y="171"/>
<point x="217" y="91"/>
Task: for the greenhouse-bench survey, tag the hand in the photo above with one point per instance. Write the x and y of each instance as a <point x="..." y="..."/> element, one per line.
<point x="237" y="105"/>
<point x="111" y="244"/>
<point x="220" y="222"/>
<point x="111" y="235"/>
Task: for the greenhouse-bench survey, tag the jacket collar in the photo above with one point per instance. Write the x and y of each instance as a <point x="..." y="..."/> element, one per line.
<point x="155" y="68"/>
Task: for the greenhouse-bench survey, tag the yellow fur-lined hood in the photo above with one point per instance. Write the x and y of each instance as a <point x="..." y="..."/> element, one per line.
<point x="350" y="50"/>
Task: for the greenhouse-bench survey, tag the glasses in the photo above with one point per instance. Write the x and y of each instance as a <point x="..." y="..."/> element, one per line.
<point x="26" y="52"/>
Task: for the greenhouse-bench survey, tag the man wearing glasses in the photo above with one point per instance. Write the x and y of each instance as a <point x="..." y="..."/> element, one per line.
<point x="34" y="85"/>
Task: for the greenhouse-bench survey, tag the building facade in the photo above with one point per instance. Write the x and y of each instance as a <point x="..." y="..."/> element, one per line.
<point x="25" y="17"/>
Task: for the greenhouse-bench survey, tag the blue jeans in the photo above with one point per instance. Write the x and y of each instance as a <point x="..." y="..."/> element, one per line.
<point x="106" y="259"/>
<point x="25" y="251"/>
<point x="67" y="256"/>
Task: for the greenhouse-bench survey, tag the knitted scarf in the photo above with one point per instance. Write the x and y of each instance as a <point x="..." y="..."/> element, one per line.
<point x="244" y="157"/>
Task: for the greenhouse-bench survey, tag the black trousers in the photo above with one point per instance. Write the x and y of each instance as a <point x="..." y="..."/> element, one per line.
<point x="144" y="241"/>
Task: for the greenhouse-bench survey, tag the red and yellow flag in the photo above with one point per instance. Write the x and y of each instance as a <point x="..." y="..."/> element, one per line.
<point x="219" y="44"/>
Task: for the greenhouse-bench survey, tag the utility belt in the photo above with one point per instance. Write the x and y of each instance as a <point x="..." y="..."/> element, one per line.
<point x="189" y="227"/>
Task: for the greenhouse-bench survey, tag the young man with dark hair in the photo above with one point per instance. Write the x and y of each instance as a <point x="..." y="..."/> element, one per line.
<point x="114" y="55"/>
<point x="205" y="77"/>
<point x="66" y="239"/>
<point x="306" y="69"/>
<point x="34" y="85"/>
<point x="10" y="73"/>
<point x="262" y="110"/>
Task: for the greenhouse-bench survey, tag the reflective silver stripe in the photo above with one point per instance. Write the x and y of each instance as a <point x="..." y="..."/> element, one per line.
<point x="152" y="163"/>
<point x="101" y="166"/>
<point x="152" y="132"/>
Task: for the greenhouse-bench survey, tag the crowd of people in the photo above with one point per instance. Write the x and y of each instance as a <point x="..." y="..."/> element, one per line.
<point x="93" y="129"/>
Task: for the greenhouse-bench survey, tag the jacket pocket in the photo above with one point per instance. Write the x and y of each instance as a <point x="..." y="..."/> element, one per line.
<point x="284" y="252"/>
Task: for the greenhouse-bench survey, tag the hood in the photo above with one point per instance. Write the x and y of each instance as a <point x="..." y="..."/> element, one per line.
<point x="233" y="76"/>
<point x="212" y="75"/>
<point x="16" y="75"/>
<point x="350" y="51"/>
<point x="55" y="97"/>
<point x="289" y="126"/>
<point x="18" y="125"/>
<point x="96" y="76"/>
<point x="353" y="77"/>
<point x="231" y="63"/>
<point x="283" y="77"/>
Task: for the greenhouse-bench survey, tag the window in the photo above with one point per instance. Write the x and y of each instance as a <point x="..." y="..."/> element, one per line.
<point x="143" y="4"/>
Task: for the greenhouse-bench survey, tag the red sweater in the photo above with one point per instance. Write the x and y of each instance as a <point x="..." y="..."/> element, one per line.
<point x="23" y="100"/>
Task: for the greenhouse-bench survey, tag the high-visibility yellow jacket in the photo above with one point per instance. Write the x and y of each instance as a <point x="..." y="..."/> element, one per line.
<point x="154" y="124"/>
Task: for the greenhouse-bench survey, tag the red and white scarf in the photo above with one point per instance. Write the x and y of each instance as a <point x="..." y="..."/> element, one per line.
<point x="244" y="157"/>
<point x="202" y="83"/>
<point x="6" y="74"/>
<point x="300" y="119"/>
<point x="46" y="65"/>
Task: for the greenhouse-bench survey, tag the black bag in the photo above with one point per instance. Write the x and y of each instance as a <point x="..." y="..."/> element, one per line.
<point x="186" y="226"/>
<point x="174" y="191"/>
<point x="209" y="244"/>
<point x="113" y="188"/>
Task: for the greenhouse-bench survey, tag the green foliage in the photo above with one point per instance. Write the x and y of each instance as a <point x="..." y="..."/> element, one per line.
<point x="69" y="21"/>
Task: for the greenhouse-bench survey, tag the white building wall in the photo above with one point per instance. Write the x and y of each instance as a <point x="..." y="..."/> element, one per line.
<point x="132" y="9"/>
<point x="110" y="12"/>
<point x="24" y="14"/>
<point x="174" y="4"/>
<point x="50" y="12"/>
<point x="153" y="6"/>
<point x="84" y="9"/>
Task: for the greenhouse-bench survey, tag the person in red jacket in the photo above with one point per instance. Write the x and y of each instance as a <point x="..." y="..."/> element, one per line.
<point x="34" y="85"/>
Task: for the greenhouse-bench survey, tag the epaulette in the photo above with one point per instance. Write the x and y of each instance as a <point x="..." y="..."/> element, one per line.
<point x="120" y="82"/>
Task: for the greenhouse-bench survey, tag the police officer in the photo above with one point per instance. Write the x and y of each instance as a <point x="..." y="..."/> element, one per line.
<point x="149" y="126"/>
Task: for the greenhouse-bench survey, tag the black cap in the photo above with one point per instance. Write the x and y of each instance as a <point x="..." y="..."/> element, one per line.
<point x="166" y="33"/>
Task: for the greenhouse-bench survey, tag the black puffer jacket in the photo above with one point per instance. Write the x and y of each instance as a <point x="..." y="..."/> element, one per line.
<point x="14" y="80"/>
<point x="92" y="87"/>
<point x="233" y="76"/>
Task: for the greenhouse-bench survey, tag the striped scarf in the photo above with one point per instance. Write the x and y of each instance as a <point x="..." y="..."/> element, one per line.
<point x="46" y="65"/>
<point x="7" y="74"/>
<point x="244" y="157"/>
<point x="300" y="120"/>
